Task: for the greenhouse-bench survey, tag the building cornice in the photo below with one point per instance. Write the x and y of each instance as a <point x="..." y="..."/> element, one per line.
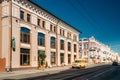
<point x="34" y="8"/>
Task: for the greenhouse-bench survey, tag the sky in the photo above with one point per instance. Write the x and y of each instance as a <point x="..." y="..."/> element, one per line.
<point x="100" y="18"/>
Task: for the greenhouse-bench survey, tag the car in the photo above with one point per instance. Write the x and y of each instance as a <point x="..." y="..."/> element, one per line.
<point x="80" y="63"/>
<point x="115" y="63"/>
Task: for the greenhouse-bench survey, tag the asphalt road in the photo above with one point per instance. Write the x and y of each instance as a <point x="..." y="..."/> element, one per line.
<point x="105" y="72"/>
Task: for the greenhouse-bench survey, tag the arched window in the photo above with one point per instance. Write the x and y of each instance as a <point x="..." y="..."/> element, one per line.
<point x="41" y="39"/>
<point x="62" y="44"/>
<point x="24" y="35"/>
<point x="52" y="42"/>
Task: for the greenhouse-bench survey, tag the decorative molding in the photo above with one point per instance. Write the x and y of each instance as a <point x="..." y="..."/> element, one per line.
<point x="43" y="14"/>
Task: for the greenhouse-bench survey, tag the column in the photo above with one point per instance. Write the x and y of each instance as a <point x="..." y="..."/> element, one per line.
<point x="66" y="53"/>
<point x="47" y="49"/>
<point x="34" y="47"/>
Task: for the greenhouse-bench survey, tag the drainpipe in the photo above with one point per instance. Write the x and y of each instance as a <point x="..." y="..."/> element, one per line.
<point x="11" y="41"/>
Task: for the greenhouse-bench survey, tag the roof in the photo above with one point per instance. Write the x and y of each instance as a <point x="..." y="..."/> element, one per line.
<point x="54" y="15"/>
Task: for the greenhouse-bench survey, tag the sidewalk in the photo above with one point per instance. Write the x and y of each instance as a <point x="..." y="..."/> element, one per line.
<point x="35" y="72"/>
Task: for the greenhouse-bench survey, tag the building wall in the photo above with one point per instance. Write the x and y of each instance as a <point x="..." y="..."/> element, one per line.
<point x="17" y="23"/>
<point x="101" y="52"/>
<point x="6" y="31"/>
<point x="0" y="30"/>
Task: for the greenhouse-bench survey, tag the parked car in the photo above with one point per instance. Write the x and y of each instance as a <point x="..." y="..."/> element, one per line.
<point x="115" y="63"/>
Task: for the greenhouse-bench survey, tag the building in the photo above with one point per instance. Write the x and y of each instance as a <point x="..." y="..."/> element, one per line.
<point x="33" y="30"/>
<point x="95" y="51"/>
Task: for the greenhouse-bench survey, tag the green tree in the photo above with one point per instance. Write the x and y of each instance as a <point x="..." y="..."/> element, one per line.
<point x="41" y="57"/>
<point x="46" y="64"/>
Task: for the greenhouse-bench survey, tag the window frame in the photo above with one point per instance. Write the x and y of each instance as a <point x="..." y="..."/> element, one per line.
<point x="28" y="17"/>
<point x="21" y="14"/>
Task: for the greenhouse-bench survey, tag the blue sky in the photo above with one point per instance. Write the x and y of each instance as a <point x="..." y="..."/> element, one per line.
<point x="100" y="18"/>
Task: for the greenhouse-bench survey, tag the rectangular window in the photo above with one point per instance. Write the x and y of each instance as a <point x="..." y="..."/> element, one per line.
<point x="38" y="22"/>
<point x="55" y="29"/>
<point x="21" y="15"/>
<point x="53" y="58"/>
<point x="24" y="57"/>
<point x="53" y="42"/>
<point x="41" y="39"/>
<point x="61" y="58"/>
<point x="75" y="47"/>
<point x="51" y="27"/>
<point x="43" y="24"/>
<point x="28" y="17"/>
<point x="69" y="58"/>
<point x="60" y="31"/>
<point x="74" y="57"/>
<point x="69" y="46"/>
<point x="25" y="37"/>
<point x="63" y="32"/>
<point x="69" y="35"/>
<point x="62" y="44"/>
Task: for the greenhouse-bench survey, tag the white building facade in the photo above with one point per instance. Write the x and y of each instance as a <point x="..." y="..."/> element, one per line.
<point x="96" y="52"/>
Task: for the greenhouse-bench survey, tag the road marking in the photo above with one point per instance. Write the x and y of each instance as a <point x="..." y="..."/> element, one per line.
<point x="99" y="74"/>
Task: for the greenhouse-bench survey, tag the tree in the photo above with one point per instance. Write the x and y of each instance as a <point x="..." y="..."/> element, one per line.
<point x="41" y="59"/>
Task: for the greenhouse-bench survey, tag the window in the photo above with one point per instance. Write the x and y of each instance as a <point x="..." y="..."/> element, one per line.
<point x="62" y="32"/>
<point x="69" y="58"/>
<point x="53" y="58"/>
<point x="54" y="29"/>
<point x="69" y="35"/>
<point x="25" y="35"/>
<point x="61" y="58"/>
<point x="43" y="24"/>
<point x="74" y="57"/>
<point x="41" y="39"/>
<point x="51" y="27"/>
<point x="74" y="38"/>
<point x="24" y="57"/>
<point x="75" y="48"/>
<point x="62" y="44"/>
<point x="69" y="46"/>
<point x="52" y="42"/>
<point x="21" y="15"/>
<point x="28" y="17"/>
<point x="38" y="22"/>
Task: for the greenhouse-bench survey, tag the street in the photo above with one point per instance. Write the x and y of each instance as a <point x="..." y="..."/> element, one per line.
<point x="105" y="72"/>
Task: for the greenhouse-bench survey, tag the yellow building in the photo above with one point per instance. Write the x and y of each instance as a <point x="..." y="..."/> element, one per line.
<point x="34" y="30"/>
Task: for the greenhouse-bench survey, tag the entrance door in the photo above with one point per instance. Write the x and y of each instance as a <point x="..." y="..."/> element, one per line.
<point x="61" y="58"/>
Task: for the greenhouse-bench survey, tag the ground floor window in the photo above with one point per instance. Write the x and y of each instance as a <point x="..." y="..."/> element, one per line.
<point x="61" y="58"/>
<point x="69" y="58"/>
<point x="53" y="58"/>
<point x="74" y="57"/>
<point x="24" y="57"/>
